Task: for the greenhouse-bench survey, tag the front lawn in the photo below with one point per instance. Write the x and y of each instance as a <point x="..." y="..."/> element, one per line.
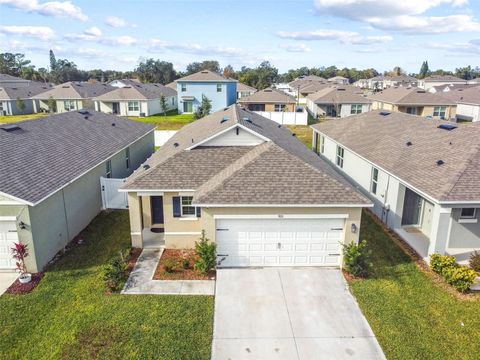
<point x="303" y="133"/>
<point x="68" y="316"/>
<point x="6" y="119"/>
<point x="412" y="316"/>
<point x="172" y="121"/>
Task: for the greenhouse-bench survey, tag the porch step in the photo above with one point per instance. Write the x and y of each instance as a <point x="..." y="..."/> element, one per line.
<point x="476" y="285"/>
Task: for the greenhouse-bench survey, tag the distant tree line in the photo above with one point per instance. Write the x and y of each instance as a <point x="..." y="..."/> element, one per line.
<point x="151" y="70"/>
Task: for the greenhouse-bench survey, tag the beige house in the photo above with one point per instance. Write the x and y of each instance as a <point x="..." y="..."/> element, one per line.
<point x="71" y="96"/>
<point x="438" y="80"/>
<point x="338" y="101"/>
<point x="244" y="90"/>
<point x="270" y="100"/>
<point x="10" y="94"/>
<point x="257" y="191"/>
<point x="414" y="101"/>
<point x="136" y="99"/>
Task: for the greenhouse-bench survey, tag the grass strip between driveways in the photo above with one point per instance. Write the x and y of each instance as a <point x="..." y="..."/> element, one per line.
<point x="68" y="316"/>
<point x="171" y="121"/>
<point x="8" y="119"/>
<point x="412" y="316"/>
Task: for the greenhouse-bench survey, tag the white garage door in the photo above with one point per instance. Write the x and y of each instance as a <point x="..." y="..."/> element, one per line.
<point x="279" y="242"/>
<point x="8" y="235"/>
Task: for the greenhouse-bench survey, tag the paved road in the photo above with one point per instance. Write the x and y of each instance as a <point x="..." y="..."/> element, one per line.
<point x="289" y="313"/>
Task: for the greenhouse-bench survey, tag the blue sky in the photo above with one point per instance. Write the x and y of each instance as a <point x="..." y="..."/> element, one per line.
<point x="115" y="34"/>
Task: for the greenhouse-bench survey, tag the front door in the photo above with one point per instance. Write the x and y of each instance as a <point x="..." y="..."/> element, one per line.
<point x="188" y="106"/>
<point x="116" y="108"/>
<point x="412" y="206"/>
<point x="156" y="203"/>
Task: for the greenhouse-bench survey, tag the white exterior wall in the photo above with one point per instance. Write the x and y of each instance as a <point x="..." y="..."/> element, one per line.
<point x="230" y="138"/>
<point x="148" y="107"/>
<point x="346" y="109"/>
<point x="468" y="112"/>
<point x="286" y="117"/>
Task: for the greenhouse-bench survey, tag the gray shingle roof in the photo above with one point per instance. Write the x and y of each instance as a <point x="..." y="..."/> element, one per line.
<point x="443" y="78"/>
<point x="470" y="95"/>
<point x="23" y="92"/>
<point x="339" y="95"/>
<point x="9" y="78"/>
<point x="207" y="169"/>
<point x="410" y="96"/>
<point x="382" y="140"/>
<point x="51" y="151"/>
<point x="75" y="90"/>
<point x="267" y="96"/>
<point x="244" y="87"/>
<point x="137" y="91"/>
<point x="206" y="75"/>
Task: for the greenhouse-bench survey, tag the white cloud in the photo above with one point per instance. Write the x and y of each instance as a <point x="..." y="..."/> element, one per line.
<point x="119" y="40"/>
<point x="427" y="24"/>
<point x="117" y="22"/>
<point x="39" y="32"/>
<point x="93" y="31"/>
<point x="346" y="37"/>
<point x="468" y="47"/>
<point x="301" y="48"/>
<point x="162" y="46"/>
<point x="94" y="34"/>
<point x="56" y="9"/>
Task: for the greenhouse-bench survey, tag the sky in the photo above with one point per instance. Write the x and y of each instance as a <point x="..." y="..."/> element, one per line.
<point x="116" y="34"/>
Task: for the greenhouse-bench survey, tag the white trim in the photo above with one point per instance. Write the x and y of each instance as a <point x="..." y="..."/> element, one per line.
<point x="182" y="233"/>
<point x="467" y="221"/>
<point x="226" y="130"/>
<point x="186" y="193"/>
<point x="8" y="218"/>
<point x="150" y="193"/>
<point x="24" y="202"/>
<point x="287" y="205"/>
<point x="7" y="202"/>
<point x="192" y="218"/>
<point x="282" y="216"/>
<point x="459" y="203"/>
<point x="136" y="233"/>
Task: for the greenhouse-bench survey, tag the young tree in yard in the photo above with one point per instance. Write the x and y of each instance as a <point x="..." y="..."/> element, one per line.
<point x="163" y="105"/>
<point x="52" y="104"/>
<point x="21" y="105"/>
<point x="204" y="108"/>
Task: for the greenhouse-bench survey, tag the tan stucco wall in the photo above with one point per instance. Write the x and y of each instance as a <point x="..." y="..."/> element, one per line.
<point x="422" y="111"/>
<point x="271" y="107"/>
<point x="135" y="214"/>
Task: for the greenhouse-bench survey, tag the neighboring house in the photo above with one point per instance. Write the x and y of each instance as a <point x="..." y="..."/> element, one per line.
<point x="400" y="80"/>
<point x="304" y="85"/>
<point x="136" y="99"/>
<point x="269" y="99"/>
<point x="244" y="90"/>
<point x="12" y="81"/>
<point x="257" y="192"/>
<point x="414" y="101"/>
<point x="124" y="82"/>
<point x="9" y="96"/>
<point x="468" y="103"/>
<point x="338" y="101"/>
<point x="340" y="80"/>
<point x="172" y="85"/>
<point x="302" y="80"/>
<point x="50" y="178"/>
<point x="449" y="87"/>
<point x="438" y="80"/>
<point x="361" y="83"/>
<point x="220" y="90"/>
<point x="421" y="175"/>
<point x="310" y="88"/>
<point x="71" y="96"/>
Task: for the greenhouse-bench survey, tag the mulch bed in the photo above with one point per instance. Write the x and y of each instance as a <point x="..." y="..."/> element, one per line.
<point x="18" y="288"/>
<point x="178" y="272"/>
<point x="133" y="259"/>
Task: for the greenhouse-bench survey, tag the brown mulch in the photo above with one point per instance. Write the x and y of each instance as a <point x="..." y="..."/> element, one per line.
<point x="133" y="259"/>
<point x="18" y="288"/>
<point x="179" y="273"/>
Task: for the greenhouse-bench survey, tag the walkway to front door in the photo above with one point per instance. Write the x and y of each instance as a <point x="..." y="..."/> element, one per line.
<point x="289" y="313"/>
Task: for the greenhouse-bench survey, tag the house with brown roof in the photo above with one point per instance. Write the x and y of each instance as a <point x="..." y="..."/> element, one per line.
<point x="415" y="101"/>
<point x="257" y="192"/>
<point x="70" y="96"/>
<point x="243" y="90"/>
<point x="467" y="99"/>
<point x="438" y="80"/>
<point x="339" y="80"/>
<point x="337" y="101"/>
<point x="136" y="99"/>
<point x="11" y="96"/>
<point x="422" y="175"/>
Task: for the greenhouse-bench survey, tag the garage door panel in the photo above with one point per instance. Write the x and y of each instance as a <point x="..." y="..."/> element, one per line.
<point x="8" y="235"/>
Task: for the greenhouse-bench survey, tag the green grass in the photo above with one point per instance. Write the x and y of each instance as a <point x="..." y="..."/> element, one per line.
<point x="172" y="121"/>
<point x="412" y="316"/>
<point x="303" y="133"/>
<point x="6" y="119"/>
<point x="68" y="316"/>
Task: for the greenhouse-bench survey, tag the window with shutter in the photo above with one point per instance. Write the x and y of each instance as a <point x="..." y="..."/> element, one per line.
<point x="177" y="212"/>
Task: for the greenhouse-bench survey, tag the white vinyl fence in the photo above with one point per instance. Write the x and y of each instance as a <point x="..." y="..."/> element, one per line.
<point x="162" y="136"/>
<point x="286" y="118"/>
<point x="111" y="197"/>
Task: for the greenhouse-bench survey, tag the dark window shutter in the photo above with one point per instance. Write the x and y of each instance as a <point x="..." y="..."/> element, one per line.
<point x="176" y="206"/>
<point x="199" y="211"/>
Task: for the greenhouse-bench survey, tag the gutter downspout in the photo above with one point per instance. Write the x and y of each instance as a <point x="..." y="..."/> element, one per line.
<point x="66" y="220"/>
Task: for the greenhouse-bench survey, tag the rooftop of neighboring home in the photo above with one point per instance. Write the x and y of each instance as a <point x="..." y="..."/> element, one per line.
<point x="402" y="78"/>
<point x="244" y="87"/>
<point x="337" y="78"/>
<point x="267" y="96"/>
<point x="313" y="86"/>
<point x="410" y="96"/>
<point x="276" y="170"/>
<point x="10" y="78"/>
<point x="41" y="156"/>
<point x="305" y="80"/>
<point x="340" y="95"/>
<point x="443" y="78"/>
<point x="22" y="92"/>
<point x="402" y="144"/>
<point x="137" y="91"/>
<point x="470" y="95"/>
<point x="75" y="90"/>
<point x="442" y="88"/>
<point x="172" y="85"/>
<point x="124" y="82"/>
<point x="205" y="76"/>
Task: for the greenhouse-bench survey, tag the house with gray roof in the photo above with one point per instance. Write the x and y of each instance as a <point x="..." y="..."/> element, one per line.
<point x="244" y="90"/>
<point x="51" y="172"/>
<point x="12" y="96"/>
<point x="12" y="81"/>
<point x="467" y="98"/>
<point x="340" y="80"/>
<point x="136" y="99"/>
<point x="70" y="96"/>
<point x="438" y="80"/>
<point x="254" y="188"/>
<point x="338" y="101"/>
<point x="422" y="175"/>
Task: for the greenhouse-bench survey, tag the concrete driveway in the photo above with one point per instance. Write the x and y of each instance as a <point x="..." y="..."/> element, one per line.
<point x="289" y="313"/>
<point x="7" y="279"/>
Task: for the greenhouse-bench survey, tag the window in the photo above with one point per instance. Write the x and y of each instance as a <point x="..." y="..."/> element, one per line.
<point x="340" y="152"/>
<point x="356" y="109"/>
<point x="440" y="111"/>
<point x="412" y="110"/>
<point x="244" y="94"/>
<point x="279" y="107"/>
<point x="322" y="144"/>
<point x="69" y="105"/>
<point x="256" y="107"/>
<point x="374" y="185"/>
<point x="188" y="106"/>
<point x="187" y="208"/>
<point x="183" y="87"/>
<point x="133" y="106"/>
<point x="108" y="171"/>
<point x="173" y="100"/>
<point x="468" y="213"/>
<point x="219" y="87"/>
<point x="127" y="157"/>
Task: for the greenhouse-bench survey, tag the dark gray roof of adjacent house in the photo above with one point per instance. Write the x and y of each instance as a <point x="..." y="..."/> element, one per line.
<point x="9" y="78"/>
<point x="137" y="91"/>
<point x="339" y="95"/>
<point x="281" y="170"/>
<point x="23" y="92"/>
<point x="75" y="90"/>
<point x="410" y="146"/>
<point x="443" y="78"/>
<point x="470" y="95"/>
<point x="45" y="154"/>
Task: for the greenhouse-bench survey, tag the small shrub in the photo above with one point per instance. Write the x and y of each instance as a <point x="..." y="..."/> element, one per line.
<point x="185" y="264"/>
<point x="169" y="265"/>
<point x="19" y="253"/>
<point x="206" y="254"/>
<point x="115" y="273"/>
<point x="474" y="261"/>
<point x="439" y="263"/>
<point x="460" y="277"/>
<point x="356" y="259"/>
